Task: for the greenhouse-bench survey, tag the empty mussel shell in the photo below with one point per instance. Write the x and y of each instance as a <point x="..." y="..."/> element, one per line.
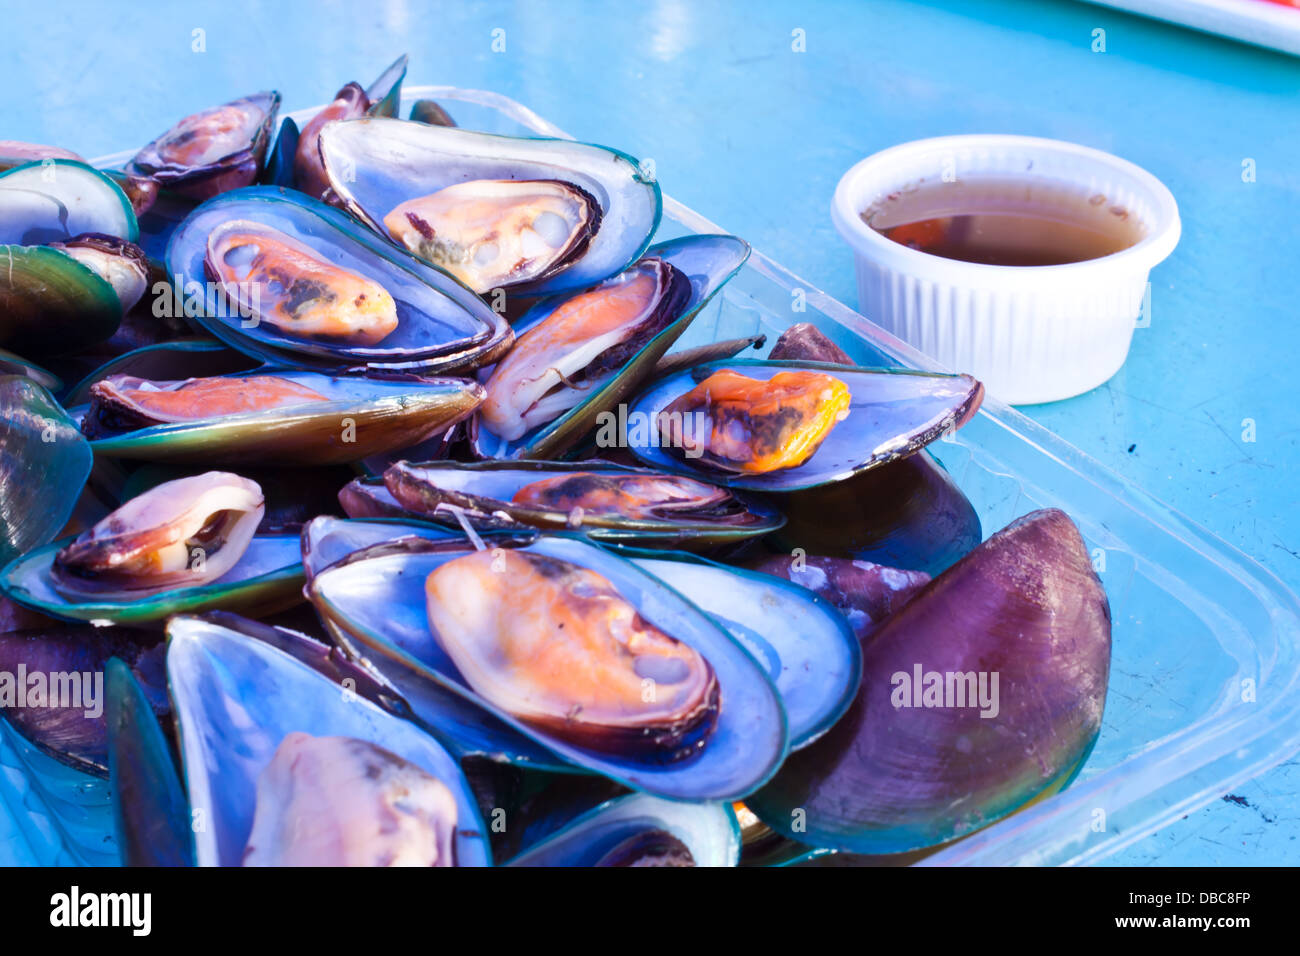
<point x="801" y="640"/>
<point x="236" y="698"/>
<point x="892" y="413"/>
<point x="52" y="687"/>
<point x="984" y="690"/>
<point x="605" y="501"/>
<point x="44" y="462"/>
<point x="54" y="200"/>
<point x="641" y="830"/>
<point x="151" y="815"/>
<point x="375" y="165"/>
<point x="377" y="607"/>
<point x="907" y="513"/>
<point x="707" y="261"/>
<point x="11" y="364"/>
<point x="435" y="325"/>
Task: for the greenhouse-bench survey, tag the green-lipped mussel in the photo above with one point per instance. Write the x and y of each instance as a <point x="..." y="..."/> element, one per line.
<point x="278" y="417"/>
<point x="782" y="426"/>
<point x="686" y="744"/>
<point x="533" y="215"/>
<point x="606" y="501"/>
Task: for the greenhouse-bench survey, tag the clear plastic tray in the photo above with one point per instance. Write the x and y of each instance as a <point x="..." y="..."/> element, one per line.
<point x="1205" y="675"/>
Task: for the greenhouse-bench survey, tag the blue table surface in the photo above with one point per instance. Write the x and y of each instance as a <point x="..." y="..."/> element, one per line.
<point x="755" y="135"/>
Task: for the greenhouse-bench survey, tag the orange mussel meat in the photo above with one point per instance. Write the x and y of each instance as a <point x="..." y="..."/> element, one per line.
<point x="122" y="403"/>
<point x="290" y="285"/>
<point x="752" y="425"/>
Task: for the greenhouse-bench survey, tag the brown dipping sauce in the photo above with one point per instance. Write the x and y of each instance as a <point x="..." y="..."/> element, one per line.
<point x="1005" y="222"/>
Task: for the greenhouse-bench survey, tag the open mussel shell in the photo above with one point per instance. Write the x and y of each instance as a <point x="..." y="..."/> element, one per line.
<point x="907" y="513"/>
<point x="893" y="413"/>
<point x="54" y="200"/>
<point x="458" y="723"/>
<point x="441" y="325"/>
<point x="356" y="416"/>
<point x="278" y="170"/>
<point x="641" y="830"/>
<point x="865" y="594"/>
<point x="1022" y="625"/>
<point x="484" y="493"/>
<point x="236" y="698"/>
<point x="51" y="303"/>
<point x="708" y="261"/>
<point x="375" y="165"/>
<point x="267" y="578"/>
<point x="385" y="93"/>
<point x="11" y="364"/>
<point x="65" y="665"/>
<point x="212" y="151"/>
<point x="44" y="462"/>
<point x="195" y="357"/>
<point x="151" y="815"/>
<point x="377" y="608"/>
<point x="805" y="645"/>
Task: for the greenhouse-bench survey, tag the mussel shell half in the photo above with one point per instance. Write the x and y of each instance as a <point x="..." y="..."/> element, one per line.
<point x="212" y="151"/>
<point x="151" y="814"/>
<point x="54" y="200"/>
<point x="236" y="698"/>
<point x="385" y="93"/>
<point x="461" y="726"/>
<point x="267" y="578"/>
<point x="44" y="462"/>
<point x="709" y="831"/>
<point x="378" y="607"/>
<point x="708" y="261"/>
<point x="441" y="324"/>
<point x="903" y="769"/>
<point x="374" y="165"/>
<point x="907" y="513"/>
<point x="51" y="303"/>
<point x="363" y="415"/>
<point x="805" y="645"/>
<point x="11" y="364"/>
<point x="278" y="170"/>
<point x="74" y="731"/>
<point x="892" y="413"/>
<point x="484" y="490"/>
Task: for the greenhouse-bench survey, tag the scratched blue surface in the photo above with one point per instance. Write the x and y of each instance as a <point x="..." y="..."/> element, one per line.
<point x="755" y="135"/>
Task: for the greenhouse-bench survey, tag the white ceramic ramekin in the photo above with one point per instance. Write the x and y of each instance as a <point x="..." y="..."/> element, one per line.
<point x="1031" y="334"/>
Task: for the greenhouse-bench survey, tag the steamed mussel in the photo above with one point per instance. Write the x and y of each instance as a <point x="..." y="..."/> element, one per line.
<point x="579" y="346"/>
<point x="294" y="288"/>
<point x="755" y="427"/>
<point x="556" y="645"/>
<point x="212" y="151"/>
<point x="492" y="234"/>
<point x="535" y="216"/>
<point x="123" y="403"/>
<point x="183" y="533"/>
<point x="605" y="501"/>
